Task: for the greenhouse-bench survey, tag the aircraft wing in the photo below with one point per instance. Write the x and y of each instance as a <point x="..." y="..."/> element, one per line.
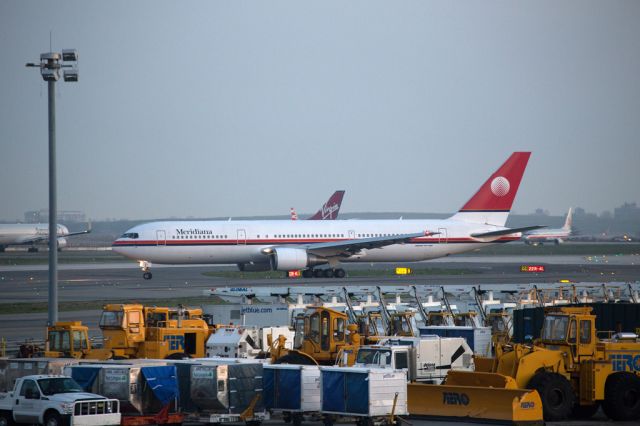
<point x="505" y="231"/>
<point x="32" y="239"/>
<point x="349" y="247"/>
<point x="86" y="231"/>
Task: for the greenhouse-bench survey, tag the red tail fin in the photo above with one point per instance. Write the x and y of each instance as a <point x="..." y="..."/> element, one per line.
<point x="330" y="209"/>
<point x="492" y="203"/>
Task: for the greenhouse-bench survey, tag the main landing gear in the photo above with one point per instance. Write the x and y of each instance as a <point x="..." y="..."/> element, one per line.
<point x="324" y="273"/>
<point x="146" y="269"/>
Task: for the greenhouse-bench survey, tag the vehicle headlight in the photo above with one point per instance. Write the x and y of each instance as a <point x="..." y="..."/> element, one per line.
<point x="67" y="407"/>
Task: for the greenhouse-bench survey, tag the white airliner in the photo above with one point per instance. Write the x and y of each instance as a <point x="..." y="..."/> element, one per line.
<point x="286" y="245"/>
<point x="328" y="211"/>
<point x="31" y="234"/>
<point x="556" y="235"/>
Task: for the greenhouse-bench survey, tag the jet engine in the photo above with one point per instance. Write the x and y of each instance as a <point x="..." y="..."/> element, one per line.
<point x="62" y="242"/>
<point x="287" y="259"/>
<point x="254" y="267"/>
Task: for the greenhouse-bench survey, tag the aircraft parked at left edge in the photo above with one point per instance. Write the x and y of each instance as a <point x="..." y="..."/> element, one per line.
<point x="286" y="245"/>
<point x="12" y="234"/>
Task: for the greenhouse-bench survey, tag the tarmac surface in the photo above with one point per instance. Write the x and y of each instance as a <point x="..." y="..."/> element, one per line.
<point x="123" y="281"/>
<point x="104" y="282"/>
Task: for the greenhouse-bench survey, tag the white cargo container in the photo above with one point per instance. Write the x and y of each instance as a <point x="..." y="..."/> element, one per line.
<point x="478" y="338"/>
<point x="256" y="315"/>
<point x="245" y="342"/>
<point x="362" y="392"/>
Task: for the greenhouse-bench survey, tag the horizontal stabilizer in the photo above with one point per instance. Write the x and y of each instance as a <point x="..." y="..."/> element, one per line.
<point x="506" y="231"/>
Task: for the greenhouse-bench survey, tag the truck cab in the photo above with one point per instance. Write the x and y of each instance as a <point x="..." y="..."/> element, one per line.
<point x="55" y="400"/>
<point x="427" y="359"/>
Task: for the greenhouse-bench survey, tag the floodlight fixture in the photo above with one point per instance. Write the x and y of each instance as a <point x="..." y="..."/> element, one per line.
<point x="69" y="55"/>
<point x="71" y="74"/>
<point x="50" y="74"/>
<point x="50" y="56"/>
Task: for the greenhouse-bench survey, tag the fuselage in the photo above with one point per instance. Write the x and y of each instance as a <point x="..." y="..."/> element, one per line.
<point x="547" y="235"/>
<point x="241" y="242"/>
<point x="26" y="233"/>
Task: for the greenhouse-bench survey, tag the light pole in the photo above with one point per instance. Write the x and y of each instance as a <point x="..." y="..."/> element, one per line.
<point x="50" y="65"/>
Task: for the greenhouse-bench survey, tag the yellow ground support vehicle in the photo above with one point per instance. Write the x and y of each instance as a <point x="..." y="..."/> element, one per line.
<point x="133" y="331"/>
<point x="323" y="335"/>
<point x="571" y="368"/>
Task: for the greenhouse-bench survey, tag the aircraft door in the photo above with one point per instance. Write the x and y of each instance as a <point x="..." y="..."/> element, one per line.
<point x="242" y="236"/>
<point x="161" y="237"/>
<point x="352" y="234"/>
<point x="442" y="236"/>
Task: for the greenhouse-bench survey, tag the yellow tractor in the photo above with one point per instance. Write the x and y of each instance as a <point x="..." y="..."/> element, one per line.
<point x="133" y="331"/>
<point x="323" y="336"/>
<point x="573" y="371"/>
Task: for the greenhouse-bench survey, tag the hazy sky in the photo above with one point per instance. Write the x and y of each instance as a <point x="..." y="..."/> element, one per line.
<point x="236" y="108"/>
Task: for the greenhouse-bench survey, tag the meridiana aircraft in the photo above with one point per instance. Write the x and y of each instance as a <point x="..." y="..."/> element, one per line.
<point x="32" y="234"/>
<point x="555" y="235"/>
<point x="328" y="211"/>
<point x="286" y="245"/>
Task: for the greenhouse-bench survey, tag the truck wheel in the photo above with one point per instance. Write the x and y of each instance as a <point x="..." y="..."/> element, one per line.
<point x="327" y="420"/>
<point x="53" y="419"/>
<point x="556" y="395"/>
<point x="294" y="358"/>
<point x="296" y="419"/>
<point x="6" y="419"/>
<point x="364" y="421"/>
<point x="622" y="396"/>
<point x="584" y="412"/>
<point x="178" y="356"/>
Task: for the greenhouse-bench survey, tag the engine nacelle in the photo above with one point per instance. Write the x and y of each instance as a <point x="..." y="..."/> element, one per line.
<point x="254" y="267"/>
<point x="287" y="259"/>
<point x="62" y="242"/>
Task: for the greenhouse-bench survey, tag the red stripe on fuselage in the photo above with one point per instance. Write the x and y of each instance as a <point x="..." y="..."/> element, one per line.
<point x="235" y="242"/>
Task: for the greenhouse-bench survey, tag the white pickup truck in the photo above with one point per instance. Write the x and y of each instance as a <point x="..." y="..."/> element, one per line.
<point x="53" y="400"/>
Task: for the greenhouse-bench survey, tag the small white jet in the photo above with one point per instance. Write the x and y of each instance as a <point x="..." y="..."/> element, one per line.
<point x="286" y="245"/>
<point x="551" y="235"/>
<point x="12" y="234"/>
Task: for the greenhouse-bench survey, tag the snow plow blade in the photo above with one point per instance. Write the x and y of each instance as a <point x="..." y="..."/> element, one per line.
<point x="476" y="397"/>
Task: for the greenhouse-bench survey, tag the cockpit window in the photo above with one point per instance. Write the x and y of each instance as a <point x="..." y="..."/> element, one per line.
<point x="132" y="235"/>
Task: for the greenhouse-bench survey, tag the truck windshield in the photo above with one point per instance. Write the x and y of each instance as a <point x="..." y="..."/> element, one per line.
<point x="374" y="356"/>
<point x="58" y="385"/>
<point x="555" y="327"/>
<point x="111" y="319"/>
<point x="59" y="341"/>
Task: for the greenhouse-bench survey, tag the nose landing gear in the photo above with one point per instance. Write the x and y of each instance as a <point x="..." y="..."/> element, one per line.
<point x="146" y="269"/>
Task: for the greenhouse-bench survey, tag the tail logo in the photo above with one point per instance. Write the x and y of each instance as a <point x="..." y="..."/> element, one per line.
<point x="327" y="211"/>
<point x="500" y="186"/>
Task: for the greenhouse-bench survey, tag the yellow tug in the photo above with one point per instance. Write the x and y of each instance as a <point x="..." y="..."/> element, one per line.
<point x="133" y="331"/>
<point x="568" y="372"/>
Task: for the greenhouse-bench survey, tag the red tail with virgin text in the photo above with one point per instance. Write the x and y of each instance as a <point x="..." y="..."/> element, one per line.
<point x="330" y="209"/>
